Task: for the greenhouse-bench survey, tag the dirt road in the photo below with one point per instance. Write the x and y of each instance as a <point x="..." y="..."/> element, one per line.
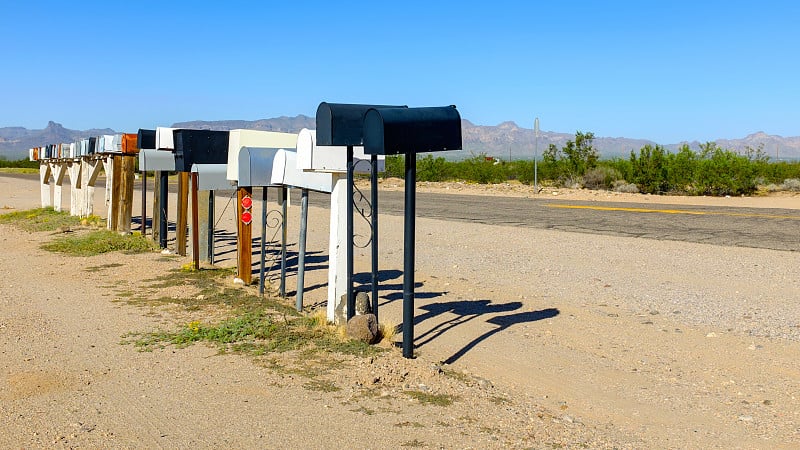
<point x="560" y="339"/>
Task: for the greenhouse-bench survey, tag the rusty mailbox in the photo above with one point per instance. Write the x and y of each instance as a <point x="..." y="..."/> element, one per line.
<point x="392" y="131"/>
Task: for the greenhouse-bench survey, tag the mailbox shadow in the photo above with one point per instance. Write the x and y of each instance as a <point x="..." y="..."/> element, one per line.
<point x="138" y="221"/>
<point x="364" y="283"/>
<point x="467" y="310"/>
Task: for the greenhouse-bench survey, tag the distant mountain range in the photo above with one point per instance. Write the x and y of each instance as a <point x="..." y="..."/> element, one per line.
<point x="503" y="141"/>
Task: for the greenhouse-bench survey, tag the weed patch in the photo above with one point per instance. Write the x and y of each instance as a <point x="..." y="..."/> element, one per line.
<point x="97" y="242"/>
<point x="40" y="219"/>
<point x="431" y="399"/>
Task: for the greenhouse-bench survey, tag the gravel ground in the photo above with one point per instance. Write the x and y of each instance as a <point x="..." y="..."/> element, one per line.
<point x="544" y="339"/>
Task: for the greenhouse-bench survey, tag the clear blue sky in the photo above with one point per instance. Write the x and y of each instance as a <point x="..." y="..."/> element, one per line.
<point x="669" y="71"/>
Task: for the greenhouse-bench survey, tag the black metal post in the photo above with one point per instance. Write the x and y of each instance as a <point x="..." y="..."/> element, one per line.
<point x="301" y="256"/>
<point x="374" y="195"/>
<point x="284" y="212"/>
<point x="408" y="255"/>
<point x="211" y="227"/>
<point x="261" y="274"/>
<point x="163" y="196"/>
<point x="351" y="300"/>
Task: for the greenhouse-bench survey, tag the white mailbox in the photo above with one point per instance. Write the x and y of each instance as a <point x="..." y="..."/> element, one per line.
<point x="112" y="143"/>
<point x="285" y="172"/>
<point x="210" y="177"/>
<point x="254" y="166"/>
<point x="156" y="160"/>
<point x="164" y="139"/>
<point x="330" y="158"/>
<point x="237" y="139"/>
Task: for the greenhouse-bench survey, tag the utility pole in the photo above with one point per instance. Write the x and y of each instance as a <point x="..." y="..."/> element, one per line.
<point x="535" y="156"/>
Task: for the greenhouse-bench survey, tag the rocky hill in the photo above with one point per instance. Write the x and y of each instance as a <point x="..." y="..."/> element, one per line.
<point x="15" y="141"/>
<point x="506" y="140"/>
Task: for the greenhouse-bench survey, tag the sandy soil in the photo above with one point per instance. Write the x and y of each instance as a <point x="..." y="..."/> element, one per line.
<point x="545" y="339"/>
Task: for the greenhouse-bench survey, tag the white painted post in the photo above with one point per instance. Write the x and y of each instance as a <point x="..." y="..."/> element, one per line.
<point x="91" y="169"/>
<point x="58" y="174"/>
<point x="76" y="193"/>
<point x="44" y="180"/>
<point x="337" y="252"/>
<point x="108" y="166"/>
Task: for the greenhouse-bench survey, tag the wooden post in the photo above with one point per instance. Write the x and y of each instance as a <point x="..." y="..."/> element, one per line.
<point x="44" y="180"/>
<point x="143" y="228"/>
<point x="204" y="219"/>
<point x="244" y="242"/>
<point x="124" y="195"/>
<point x="183" y="213"/>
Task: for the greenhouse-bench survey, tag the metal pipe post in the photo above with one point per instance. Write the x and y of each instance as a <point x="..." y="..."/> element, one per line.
<point x="351" y="300"/>
<point x="261" y="274"/>
<point x="374" y="195"/>
<point x="163" y="197"/>
<point x="284" y="212"/>
<point x="211" y="227"/>
<point x="195" y="225"/>
<point x="301" y="256"/>
<point x="408" y="255"/>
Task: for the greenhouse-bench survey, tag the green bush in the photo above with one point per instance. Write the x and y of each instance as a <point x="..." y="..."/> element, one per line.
<point x="649" y="170"/>
<point x="432" y="169"/>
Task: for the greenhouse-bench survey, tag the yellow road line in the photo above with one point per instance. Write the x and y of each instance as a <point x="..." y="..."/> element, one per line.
<point x="671" y="211"/>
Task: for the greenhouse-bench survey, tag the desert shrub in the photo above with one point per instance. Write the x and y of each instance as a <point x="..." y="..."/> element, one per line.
<point x="791" y="184"/>
<point x="395" y="166"/>
<point x="601" y="177"/>
<point x="649" y="169"/>
<point x="432" y="169"/>
<point x="723" y="172"/>
<point x="481" y="169"/>
<point x="624" y="186"/>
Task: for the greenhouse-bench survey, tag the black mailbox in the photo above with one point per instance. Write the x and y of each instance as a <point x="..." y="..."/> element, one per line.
<point x="341" y="124"/>
<point x="392" y="131"/>
<point x="199" y="147"/>
<point x="92" y="145"/>
<point x="146" y="139"/>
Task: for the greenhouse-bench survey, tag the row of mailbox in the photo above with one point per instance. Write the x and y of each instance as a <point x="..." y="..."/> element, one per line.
<point x="108" y="143"/>
<point x="247" y="157"/>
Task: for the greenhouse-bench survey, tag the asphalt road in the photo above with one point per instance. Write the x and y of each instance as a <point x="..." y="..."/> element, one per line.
<point x="777" y="229"/>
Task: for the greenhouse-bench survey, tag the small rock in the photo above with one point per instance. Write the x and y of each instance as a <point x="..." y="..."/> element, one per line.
<point x="166" y="251"/>
<point x="363" y="328"/>
<point x="711" y="335"/>
<point x="201" y="297"/>
<point x="745" y="418"/>
<point x="238" y="281"/>
<point x="363" y="305"/>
